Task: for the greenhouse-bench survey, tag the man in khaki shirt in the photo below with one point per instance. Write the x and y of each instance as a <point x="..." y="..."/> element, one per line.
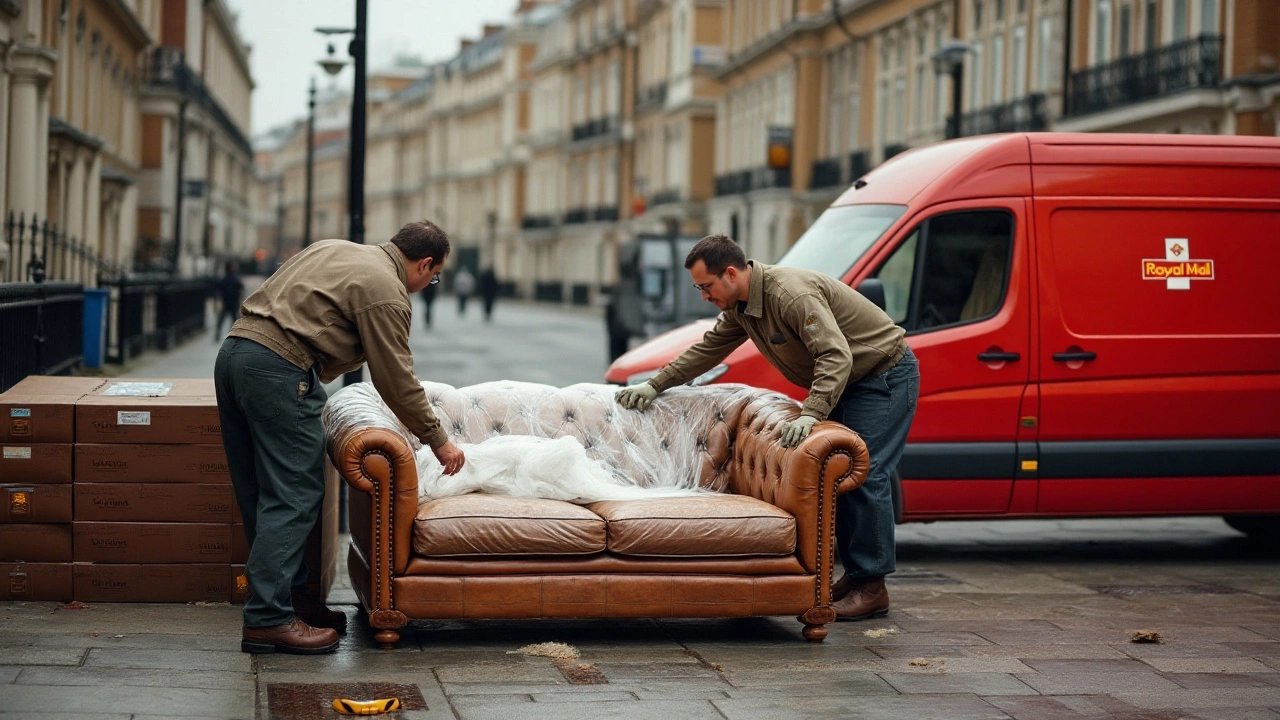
<point x="329" y="309"/>
<point x="823" y="335"/>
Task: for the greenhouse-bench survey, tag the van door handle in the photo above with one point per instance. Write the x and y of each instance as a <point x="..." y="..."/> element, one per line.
<point x="1074" y="355"/>
<point x="998" y="356"/>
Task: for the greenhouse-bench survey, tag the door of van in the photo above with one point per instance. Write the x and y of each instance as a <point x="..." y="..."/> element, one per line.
<point x="958" y="281"/>
<point x="1159" y="356"/>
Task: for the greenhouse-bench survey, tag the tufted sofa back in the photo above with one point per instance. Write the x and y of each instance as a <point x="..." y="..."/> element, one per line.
<point x="687" y="437"/>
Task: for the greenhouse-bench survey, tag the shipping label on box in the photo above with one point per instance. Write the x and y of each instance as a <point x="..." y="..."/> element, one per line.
<point x="154" y="502"/>
<point x="152" y="542"/>
<point x="151" y="463"/>
<point x="35" y="581"/>
<point x="35" y="503"/>
<point x="41" y="409"/>
<point x="36" y="463"/>
<point x="35" y="542"/>
<point x="200" y="582"/>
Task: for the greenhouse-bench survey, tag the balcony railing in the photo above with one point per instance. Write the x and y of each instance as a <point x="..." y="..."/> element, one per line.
<point x="859" y="164"/>
<point x="826" y="173"/>
<point x="595" y="128"/>
<point x="651" y="97"/>
<point x="1184" y="65"/>
<point x="742" y="181"/>
<point x="576" y="216"/>
<point x="665" y="197"/>
<point x="534" y="222"/>
<point x="895" y="149"/>
<point x="1025" y="114"/>
<point x="167" y="68"/>
<point x="607" y="213"/>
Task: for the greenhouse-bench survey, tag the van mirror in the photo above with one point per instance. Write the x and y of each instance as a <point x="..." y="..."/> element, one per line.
<point x="873" y="290"/>
<point x="653" y="283"/>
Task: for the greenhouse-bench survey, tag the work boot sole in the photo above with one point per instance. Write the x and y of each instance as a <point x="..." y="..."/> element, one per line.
<point x="257" y="648"/>
<point x="868" y="616"/>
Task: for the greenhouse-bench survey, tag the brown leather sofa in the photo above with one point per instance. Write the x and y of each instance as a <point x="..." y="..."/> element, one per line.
<point x="761" y="545"/>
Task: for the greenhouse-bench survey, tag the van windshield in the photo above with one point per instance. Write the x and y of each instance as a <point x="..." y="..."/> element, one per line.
<point x="839" y="237"/>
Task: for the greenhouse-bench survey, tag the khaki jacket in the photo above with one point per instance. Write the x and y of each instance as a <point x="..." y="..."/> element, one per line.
<point x="817" y="331"/>
<point x="337" y="305"/>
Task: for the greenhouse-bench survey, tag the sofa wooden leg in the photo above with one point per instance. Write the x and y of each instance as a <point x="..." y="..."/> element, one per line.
<point x="387" y="639"/>
<point x="814" y="633"/>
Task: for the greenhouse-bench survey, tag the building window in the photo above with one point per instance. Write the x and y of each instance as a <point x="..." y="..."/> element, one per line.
<point x="1019" y="62"/>
<point x="975" y="88"/>
<point x="1126" y="27"/>
<point x="1149" y="35"/>
<point x="1102" y="32"/>
<point x="1208" y="17"/>
<point x="921" y="75"/>
<point x="1179" y="20"/>
<point x="997" y="70"/>
<point x="977" y="15"/>
<point x="1043" y="44"/>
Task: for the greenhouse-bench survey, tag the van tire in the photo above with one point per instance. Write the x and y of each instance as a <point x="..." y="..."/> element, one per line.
<point x="1265" y="528"/>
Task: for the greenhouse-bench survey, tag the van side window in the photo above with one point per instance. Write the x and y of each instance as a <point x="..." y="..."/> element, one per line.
<point x="952" y="269"/>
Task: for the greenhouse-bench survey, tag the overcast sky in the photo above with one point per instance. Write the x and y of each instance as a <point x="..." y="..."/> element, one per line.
<point x="285" y="46"/>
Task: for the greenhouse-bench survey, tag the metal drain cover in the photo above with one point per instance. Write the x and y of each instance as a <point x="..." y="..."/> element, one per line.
<point x="314" y="701"/>
<point x="1123" y="591"/>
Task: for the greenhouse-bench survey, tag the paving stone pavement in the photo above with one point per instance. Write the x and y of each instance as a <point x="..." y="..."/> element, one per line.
<point x="990" y="620"/>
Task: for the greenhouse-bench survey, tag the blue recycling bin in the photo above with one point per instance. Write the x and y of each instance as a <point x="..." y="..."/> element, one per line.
<point x="95" y="325"/>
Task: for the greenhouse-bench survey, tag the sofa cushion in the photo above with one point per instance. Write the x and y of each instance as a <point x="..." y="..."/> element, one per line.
<point x="481" y="524"/>
<point x="714" y="525"/>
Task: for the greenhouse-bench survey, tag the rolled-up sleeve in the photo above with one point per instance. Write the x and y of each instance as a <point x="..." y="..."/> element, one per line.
<point x="814" y="322"/>
<point x="384" y="333"/>
<point x="715" y="345"/>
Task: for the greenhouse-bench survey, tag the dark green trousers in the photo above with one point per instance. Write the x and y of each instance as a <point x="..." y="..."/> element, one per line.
<point x="271" y="431"/>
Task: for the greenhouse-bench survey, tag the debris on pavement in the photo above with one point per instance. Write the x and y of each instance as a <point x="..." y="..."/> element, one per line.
<point x="880" y="632"/>
<point x="75" y="605"/>
<point x="1146" y="636"/>
<point x="581" y="673"/>
<point x="554" y="650"/>
<point x="919" y="662"/>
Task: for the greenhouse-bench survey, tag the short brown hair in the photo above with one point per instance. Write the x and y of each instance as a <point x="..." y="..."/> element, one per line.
<point x="717" y="252"/>
<point x="422" y="239"/>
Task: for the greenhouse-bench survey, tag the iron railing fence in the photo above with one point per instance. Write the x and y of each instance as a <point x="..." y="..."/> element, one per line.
<point x="41" y="329"/>
<point x="1026" y="114"/>
<point x="1183" y="65"/>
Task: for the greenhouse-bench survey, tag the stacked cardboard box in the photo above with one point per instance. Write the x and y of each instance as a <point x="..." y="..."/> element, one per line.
<point x="37" y="429"/>
<point x="154" y="512"/>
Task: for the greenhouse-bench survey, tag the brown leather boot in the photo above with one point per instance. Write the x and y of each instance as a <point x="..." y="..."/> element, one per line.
<point x="312" y="610"/>
<point x="868" y="599"/>
<point x="842" y="587"/>
<point x="294" y="637"/>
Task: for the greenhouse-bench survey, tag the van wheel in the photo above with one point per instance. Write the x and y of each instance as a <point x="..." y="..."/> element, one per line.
<point x="1258" y="527"/>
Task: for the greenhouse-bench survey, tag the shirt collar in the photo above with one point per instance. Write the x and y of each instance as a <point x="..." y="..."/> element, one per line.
<point x="755" y="293"/>
<point x="398" y="260"/>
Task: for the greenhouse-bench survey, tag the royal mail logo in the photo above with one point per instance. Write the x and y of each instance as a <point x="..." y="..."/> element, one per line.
<point x="1177" y="268"/>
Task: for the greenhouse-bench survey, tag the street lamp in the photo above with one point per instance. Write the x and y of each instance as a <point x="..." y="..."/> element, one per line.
<point x="311" y="141"/>
<point x="358" y="50"/>
<point x="949" y="60"/>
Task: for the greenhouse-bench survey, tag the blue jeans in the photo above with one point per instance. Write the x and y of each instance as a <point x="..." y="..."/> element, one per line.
<point x="879" y="408"/>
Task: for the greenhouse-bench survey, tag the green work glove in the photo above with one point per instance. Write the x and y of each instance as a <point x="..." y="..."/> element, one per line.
<point x="796" y="430"/>
<point x="636" y="397"/>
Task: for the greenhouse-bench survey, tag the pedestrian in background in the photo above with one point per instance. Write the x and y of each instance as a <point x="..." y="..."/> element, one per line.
<point x="488" y="292"/>
<point x="823" y="335"/>
<point x="230" y="292"/>
<point x="428" y="298"/>
<point x="464" y="283"/>
<point x="325" y="312"/>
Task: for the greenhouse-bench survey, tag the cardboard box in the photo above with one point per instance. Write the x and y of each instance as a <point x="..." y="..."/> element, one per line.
<point x="41" y="409"/>
<point x="154" y="502"/>
<point x="151" y="463"/>
<point x="35" y="463"/>
<point x="35" y="503"/>
<point x="173" y="411"/>
<point x="239" y="544"/>
<point x="35" y="543"/>
<point x="152" y="542"/>
<point x="35" y="581"/>
<point x="202" y="582"/>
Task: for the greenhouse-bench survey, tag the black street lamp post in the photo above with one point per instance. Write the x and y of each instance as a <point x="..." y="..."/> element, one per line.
<point x="311" y="143"/>
<point x="949" y="60"/>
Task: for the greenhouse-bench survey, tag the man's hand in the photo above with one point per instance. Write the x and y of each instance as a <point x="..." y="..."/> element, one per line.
<point x="636" y="397"/>
<point x="450" y="457"/>
<point x="796" y="430"/>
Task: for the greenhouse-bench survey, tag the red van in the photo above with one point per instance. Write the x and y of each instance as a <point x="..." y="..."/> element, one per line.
<point x="1097" y="319"/>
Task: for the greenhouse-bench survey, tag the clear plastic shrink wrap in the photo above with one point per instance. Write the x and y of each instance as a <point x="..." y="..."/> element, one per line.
<point x="674" y="447"/>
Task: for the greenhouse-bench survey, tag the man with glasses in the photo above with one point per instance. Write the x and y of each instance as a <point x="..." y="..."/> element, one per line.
<point x="823" y="335"/>
<point x="325" y="312"/>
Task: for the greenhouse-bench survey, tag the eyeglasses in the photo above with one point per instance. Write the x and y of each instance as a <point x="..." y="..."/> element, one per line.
<point x="706" y="285"/>
<point x="435" y="280"/>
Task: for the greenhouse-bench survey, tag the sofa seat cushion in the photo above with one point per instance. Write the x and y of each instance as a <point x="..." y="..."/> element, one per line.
<point x="481" y="524"/>
<point x="714" y="525"/>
